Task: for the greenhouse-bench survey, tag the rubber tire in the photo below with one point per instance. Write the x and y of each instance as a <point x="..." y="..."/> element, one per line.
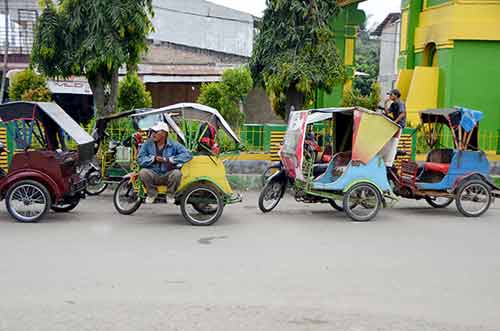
<point x="348" y="210"/>
<point x="42" y="188"/>
<point x="262" y="195"/>
<point x="65" y="208"/>
<point x="438" y="206"/>
<point x="95" y="193"/>
<point x="336" y="206"/>
<point x="126" y="212"/>
<point x="220" y="204"/>
<point x="463" y="187"/>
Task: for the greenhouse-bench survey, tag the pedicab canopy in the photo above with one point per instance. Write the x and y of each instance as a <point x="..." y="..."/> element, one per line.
<point x="53" y="119"/>
<point x="370" y="133"/>
<point x="146" y="119"/>
<point x="197" y="112"/>
<point x="463" y="122"/>
<point x="102" y="123"/>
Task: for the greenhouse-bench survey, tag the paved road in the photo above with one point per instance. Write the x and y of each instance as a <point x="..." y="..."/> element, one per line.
<point x="302" y="267"/>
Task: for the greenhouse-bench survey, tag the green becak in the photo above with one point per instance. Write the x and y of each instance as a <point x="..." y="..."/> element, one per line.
<point x="295" y="52"/>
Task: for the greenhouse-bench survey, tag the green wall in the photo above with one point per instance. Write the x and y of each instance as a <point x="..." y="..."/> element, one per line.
<point x="345" y="25"/>
<point x="472" y="79"/>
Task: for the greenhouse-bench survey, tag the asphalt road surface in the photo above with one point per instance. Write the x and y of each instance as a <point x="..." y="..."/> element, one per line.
<point x="302" y="267"/>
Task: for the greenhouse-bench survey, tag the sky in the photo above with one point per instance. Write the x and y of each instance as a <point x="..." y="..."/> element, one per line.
<point x="377" y="10"/>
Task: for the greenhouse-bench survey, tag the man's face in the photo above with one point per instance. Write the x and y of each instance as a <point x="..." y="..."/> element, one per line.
<point x="392" y="97"/>
<point x="160" y="136"/>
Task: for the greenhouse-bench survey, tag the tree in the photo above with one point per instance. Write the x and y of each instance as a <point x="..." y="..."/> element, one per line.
<point x="367" y="61"/>
<point x="227" y="95"/>
<point x="355" y="98"/>
<point x="27" y="85"/>
<point x="132" y="94"/>
<point x="94" y="38"/>
<point x="295" y="52"/>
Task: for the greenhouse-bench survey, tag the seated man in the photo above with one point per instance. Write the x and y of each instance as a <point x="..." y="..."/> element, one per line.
<point x="161" y="159"/>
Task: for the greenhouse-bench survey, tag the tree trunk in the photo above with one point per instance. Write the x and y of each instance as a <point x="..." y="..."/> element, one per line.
<point x="6" y="54"/>
<point x="112" y="97"/>
<point x="295" y="101"/>
<point x="97" y="86"/>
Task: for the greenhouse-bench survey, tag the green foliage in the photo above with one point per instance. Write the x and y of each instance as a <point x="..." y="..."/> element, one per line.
<point x="26" y="85"/>
<point x="40" y="94"/>
<point x="367" y="61"/>
<point x="132" y="94"/>
<point x="94" y="38"/>
<point x="226" y="95"/>
<point x="295" y="51"/>
<point x="354" y="98"/>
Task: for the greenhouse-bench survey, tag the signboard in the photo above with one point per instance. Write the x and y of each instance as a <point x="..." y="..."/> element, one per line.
<point x="72" y="86"/>
<point x="292" y="152"/>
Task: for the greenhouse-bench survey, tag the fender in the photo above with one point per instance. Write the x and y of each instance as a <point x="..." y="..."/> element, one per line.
<point x="33" y="175"/>
<point x="472" y="175"/>
<point x="280" y="176"/>
<point x="384" y="202"/>
<point x="198" y="180"/>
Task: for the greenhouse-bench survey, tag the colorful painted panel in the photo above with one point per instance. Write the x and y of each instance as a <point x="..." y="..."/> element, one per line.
<point x="371" y="132"/>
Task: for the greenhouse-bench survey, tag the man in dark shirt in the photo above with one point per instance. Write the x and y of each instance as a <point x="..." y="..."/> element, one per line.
<point x="396" y="112"/>
<point x="397" y="109"/>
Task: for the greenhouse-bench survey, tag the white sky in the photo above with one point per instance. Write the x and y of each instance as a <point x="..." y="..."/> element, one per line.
<point x="378" y="9"/>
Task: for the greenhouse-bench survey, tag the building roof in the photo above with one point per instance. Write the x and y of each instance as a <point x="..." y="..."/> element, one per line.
<point x="390" y="19"/>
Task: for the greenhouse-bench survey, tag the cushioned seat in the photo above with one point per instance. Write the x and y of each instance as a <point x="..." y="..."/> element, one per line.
<point x="437" y="167"/>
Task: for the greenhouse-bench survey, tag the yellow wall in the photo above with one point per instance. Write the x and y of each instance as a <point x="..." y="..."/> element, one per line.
<point x="423" y="93"/>
<point x="458" y="20"/>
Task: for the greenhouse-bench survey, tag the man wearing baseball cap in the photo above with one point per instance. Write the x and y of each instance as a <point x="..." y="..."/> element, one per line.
<point x="161" y="160"/>
<point x="395" y="110"/>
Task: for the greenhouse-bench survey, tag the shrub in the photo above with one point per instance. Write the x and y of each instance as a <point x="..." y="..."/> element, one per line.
<point x="27" y="84"/>
<point x="132" y="94"/>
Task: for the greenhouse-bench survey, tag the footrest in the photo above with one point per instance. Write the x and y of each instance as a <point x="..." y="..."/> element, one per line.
<point x="233" y="198"/>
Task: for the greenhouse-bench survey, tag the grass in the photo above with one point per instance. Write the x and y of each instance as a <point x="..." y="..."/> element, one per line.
<point x="497" y="181"/>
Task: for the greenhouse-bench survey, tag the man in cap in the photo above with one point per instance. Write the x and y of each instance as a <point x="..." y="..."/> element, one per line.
<point x="161" y="160"/>
<point x="395" y="110"/>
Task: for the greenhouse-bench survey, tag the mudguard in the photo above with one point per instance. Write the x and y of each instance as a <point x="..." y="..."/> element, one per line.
<point x="35" y="175"/>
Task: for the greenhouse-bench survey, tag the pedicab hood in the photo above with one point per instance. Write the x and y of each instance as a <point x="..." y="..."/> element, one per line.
<point x="46" y="111"/>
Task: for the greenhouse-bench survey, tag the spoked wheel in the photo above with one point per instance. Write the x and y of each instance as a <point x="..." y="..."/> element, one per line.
<point x="202" y="205"/>
<point x="336" y="206"/>
<point x="66" y="207"/>
<point x="439" y="202"/>
<point x="28" y="201"/>
<point x="126" y="199"/>
<point x="362" y="202"/>
<point x="95" y="184"/>
<point x="473" y="198"/>
<point x="271" y="195"/>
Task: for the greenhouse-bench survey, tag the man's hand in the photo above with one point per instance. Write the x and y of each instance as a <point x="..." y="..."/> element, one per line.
<point x="160" y="159"/>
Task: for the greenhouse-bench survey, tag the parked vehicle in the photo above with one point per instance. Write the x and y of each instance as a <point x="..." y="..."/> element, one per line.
<point x="204" y="190"/>
<point x="44" y="173"/>
<point x="355" y="174"/>
<point x="113" y="157"/>
<point x="459" y="174"/>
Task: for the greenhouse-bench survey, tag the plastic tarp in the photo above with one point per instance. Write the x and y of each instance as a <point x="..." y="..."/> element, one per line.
<point x="470" y="118"/>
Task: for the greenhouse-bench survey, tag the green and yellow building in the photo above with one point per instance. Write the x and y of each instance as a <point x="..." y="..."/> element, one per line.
<point x="450" y="56"/>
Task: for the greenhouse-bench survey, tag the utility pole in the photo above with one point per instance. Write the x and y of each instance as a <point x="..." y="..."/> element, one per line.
<point x="6" y="53"/>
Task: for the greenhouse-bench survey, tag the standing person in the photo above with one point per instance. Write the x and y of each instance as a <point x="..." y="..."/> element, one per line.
<point x="161" y="160"/>
<point x="396" y="111"/>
